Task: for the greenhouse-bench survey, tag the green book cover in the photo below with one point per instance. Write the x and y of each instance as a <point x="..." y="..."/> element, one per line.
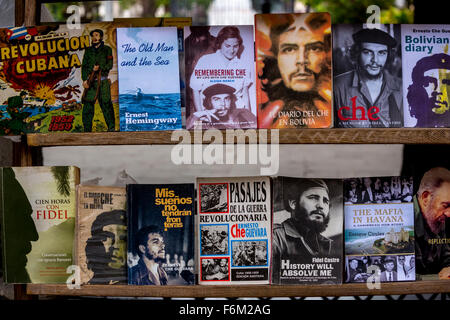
<point x="38" y="206"/>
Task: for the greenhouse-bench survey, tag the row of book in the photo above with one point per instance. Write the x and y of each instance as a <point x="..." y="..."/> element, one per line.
<point x="240" y="230"/>
<point x="289" y="71"/>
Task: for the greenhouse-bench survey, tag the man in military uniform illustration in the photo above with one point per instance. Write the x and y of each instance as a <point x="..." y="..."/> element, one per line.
<point x="15" y="106"/>
<point x="97" y="62"/>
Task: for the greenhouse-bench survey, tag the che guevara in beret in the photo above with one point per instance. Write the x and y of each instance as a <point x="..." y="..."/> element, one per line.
<point x="218" y="88"/>
<point x="374" y="36"/>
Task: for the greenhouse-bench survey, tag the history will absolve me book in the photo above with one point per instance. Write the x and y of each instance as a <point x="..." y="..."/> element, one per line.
<point x="37" y="208"/>
<point x="234" y="230"/>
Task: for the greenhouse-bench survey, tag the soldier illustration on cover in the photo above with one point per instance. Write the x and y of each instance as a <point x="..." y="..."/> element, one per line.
<point x="106" y="248"/>
<point x="428" y="96"/>
<point x="373" y="80"/>
<point x="96" y="64"/>
<point x="228" y="72"/>
<point x="294" y="70"/>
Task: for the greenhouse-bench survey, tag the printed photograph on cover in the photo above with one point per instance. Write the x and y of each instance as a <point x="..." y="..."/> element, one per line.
<point x="214" y="239"/>
<point x="426" y="75"/>
<point x="249" y="253"/>
<point x="213" y="198"/>
<point x="307" y="231"/>
<point x="378" y="190"/>
<point x="367" y="76"/>
<point x="215" y="269"/>
<point x="220" y="77"/>
<point x="294" y="70"/>
<point x="389" y="268"/>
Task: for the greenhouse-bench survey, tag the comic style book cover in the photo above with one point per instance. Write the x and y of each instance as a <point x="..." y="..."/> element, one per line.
<point x="101" y="233"/>
<point x="367" y="76"/>
<point x="220" y="77"/>
<point x="56" y="79"/>
<point x="234" y="230"/>
<point x="293" y="65"/>
<point x="307" y="240"/>
<point x="426" y="75"/>
<point x="149" y="86"/>
<point x="38" y="208"/>
<point x="180" y="23"/>
<point x="160" y="234"/>
<point x="379" y="229"/>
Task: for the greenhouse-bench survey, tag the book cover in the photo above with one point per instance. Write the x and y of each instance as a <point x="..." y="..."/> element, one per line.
<point x="379" y="229"/>
<point x="220" y="77"/>
<point x="38" y="206"/>
<point x="307" y="231"/>
<point x="55" y="79"/>
<point x="180" y="23"/>
<point x="293" y="66"/>
<point x="101" y="235"/>
<point x="149" y="84"/>
<point x="234" y="230"/>
<point x="367" y="76"/>
<point x="426" y="69"/>
<point x="160" y="234"/>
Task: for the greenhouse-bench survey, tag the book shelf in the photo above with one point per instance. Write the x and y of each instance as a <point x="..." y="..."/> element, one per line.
<point x="27" y="153"/>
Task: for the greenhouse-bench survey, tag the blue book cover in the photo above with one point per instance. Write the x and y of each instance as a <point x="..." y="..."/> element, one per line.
<point x="160" y="234"/>
<point x="149" y="84"/>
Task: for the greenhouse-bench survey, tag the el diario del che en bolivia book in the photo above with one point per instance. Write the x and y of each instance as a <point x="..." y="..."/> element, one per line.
<point x="379" y="229"/>
<point x="38" y="207"/>
<point x="160" y="234"/>
<point x="307" y="244"/>
<point x="234" y="230"/>
<point x="56" y="79"/>
<point x="101" y="232"/>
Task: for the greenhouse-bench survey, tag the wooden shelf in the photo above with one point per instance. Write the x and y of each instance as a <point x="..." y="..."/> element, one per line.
<point x="286" y="136"/>
<point x="349" y="289"/>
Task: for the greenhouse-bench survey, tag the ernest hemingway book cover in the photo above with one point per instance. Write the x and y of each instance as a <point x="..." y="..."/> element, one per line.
<point x="149" y="85"/>
<point x="38" y="223"/>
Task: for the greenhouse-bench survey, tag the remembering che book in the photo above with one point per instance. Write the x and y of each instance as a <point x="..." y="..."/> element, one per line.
<point x="234" y="230"/>
<point x="101" y="233"/>
<point x="379" y="229"/>
<point x="293" y="66"/>
<point x="56" y="79"/>
<point x="38" y="208"/>
<point x="160" y="234"/>
<point x="307" y="245"/>
<point x="220" y="77"/>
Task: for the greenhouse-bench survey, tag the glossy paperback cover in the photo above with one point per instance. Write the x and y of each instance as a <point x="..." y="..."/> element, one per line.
<point x="149" y="83"/>
<point x="160" y="234"/>
<point x="220" y="77"/>
<point x="56" y="79"/>
<point x="426" y="75"/>
<point x="38" y="208"/>
<point x="101" y="234"/>
<point x="379" y="229"/>
<point x="307" y="231"/>
<point x="293" y="66"/>
<point x="234" y="230"/>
